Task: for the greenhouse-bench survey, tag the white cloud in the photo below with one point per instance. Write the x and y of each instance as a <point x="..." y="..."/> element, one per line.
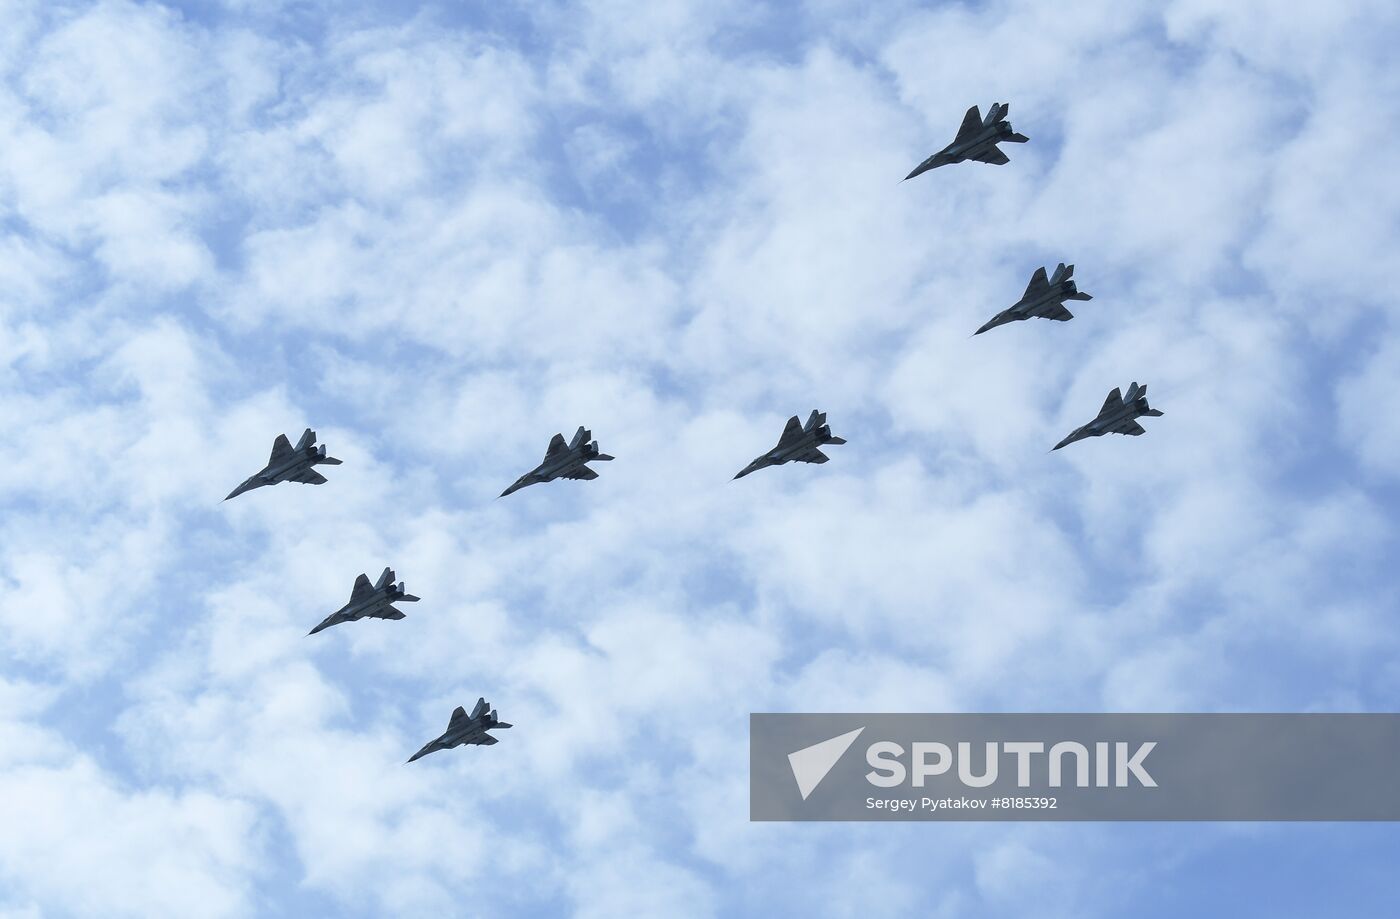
<point x="437" y="247"/>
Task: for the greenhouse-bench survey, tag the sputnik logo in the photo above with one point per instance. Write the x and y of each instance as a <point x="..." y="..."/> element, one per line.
<point x="811" y="764"/>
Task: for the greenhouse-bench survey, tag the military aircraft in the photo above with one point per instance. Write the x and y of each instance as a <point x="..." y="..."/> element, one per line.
<point x="1044" y="299"/>
<point x="1116" y="416"/>
<point x="370" y="601"/>
<point x="465" y="729"/>
<point x="564" y="461"/>
<point x="290" y="464"/>
<point x="977" y="140"/>
<point x="799" y="442"/>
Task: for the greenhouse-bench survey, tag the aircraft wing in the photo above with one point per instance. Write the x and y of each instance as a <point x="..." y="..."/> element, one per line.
<point x="309" y="477"/>
<point x="993" y="156"/>
<point x="1058" y="313"/>
<point x="791" y="433"/>
<point x="486" y="739"/>
<point x="582" y="472"/>
<point x="362" y="588"/>
<point x="1114" y="400"/>
<point x="388" y="612"/>
<point x="556" y="445"/>
<point x="1130" y="427"/>
<point x="1039" y="282"/>
<point x="281" y="449"/>
<point x="459" y="715"/>
<point x="813" y="456"/>
<point x="972" y="121"/>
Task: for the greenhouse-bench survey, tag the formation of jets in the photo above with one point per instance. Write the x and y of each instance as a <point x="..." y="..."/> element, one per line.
<point x="977" y="140"/>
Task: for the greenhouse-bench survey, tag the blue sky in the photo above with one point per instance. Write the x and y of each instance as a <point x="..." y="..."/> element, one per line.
<point x="439" y="237"/>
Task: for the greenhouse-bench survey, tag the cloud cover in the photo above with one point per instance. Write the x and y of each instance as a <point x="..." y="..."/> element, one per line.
<point x="438" y="239"/>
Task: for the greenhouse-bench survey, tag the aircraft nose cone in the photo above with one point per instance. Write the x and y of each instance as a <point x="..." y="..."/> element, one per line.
<point x="246" y="486"/>
<point x="751" y="467"/>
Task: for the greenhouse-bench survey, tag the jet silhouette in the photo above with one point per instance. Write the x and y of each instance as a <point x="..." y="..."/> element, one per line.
<point x="798" y="443"/>
<point x="1116" y="417"/>
<point x="977" y="140"/>
<point x="370" y="601"/>
<point x="290" y="464"/>
<point x="563" y="461"/>
<point x="465" y="729"/>
<point x="1044" y="299"/>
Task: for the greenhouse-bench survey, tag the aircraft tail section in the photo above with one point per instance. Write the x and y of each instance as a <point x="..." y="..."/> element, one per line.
<point x="308" y="438"/>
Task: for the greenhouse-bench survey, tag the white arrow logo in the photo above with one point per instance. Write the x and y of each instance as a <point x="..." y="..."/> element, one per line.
<point x="811" y="764"/>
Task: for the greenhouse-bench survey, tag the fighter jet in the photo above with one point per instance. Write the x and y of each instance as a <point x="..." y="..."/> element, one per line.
<point x="1116" y="416"/>
<point x="563" y="461"/>
<point x="1044" y="299"/>
<point x="370" y="601"/>
<point x="290" y="464"/>
<point x="977" y="140"/>
<point x="465" y="729"/>
<point x="799" y="442"/>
